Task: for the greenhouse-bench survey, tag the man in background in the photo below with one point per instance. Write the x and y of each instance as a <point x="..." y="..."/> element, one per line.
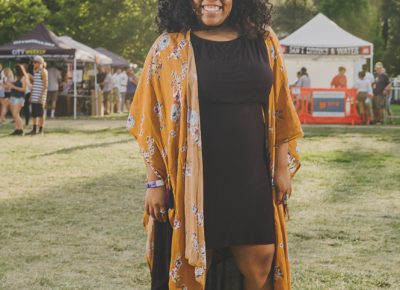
<point x="54" y="85"/>
<point x="340" y="80"/>
<point x="368" y="75"/>
<point x="381" y="93"/>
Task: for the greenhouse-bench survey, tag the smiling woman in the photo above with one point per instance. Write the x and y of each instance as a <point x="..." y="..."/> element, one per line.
<point x="217" y="128"/>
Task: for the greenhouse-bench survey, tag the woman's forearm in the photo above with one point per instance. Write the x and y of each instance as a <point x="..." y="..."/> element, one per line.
<point x="150" y="173"/>
<point x="282" y="156"/>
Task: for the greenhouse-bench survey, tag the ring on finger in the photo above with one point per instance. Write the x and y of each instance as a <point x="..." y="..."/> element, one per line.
<point x="285" y="198"/>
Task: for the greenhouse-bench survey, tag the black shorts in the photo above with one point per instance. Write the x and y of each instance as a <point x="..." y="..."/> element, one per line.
<point x="7" y="95"/>
<point x="37" y="110"/>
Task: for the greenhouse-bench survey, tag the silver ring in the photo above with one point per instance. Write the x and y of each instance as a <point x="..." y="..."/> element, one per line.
<point x="285" y="198"/>
<point x="162" y="211"/>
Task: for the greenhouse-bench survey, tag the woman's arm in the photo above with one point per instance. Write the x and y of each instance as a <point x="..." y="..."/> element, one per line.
<point x="19" y="89"/>
<point x="282" y="177"/>
<point x="154" y="200"/>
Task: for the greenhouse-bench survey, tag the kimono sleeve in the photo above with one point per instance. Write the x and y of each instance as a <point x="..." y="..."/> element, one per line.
<point x="143" y="121"/>
<point x="288" y="125"/>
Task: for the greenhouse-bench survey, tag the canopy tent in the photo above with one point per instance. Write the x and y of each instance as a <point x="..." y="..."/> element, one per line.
<point x="40" y="41"/>
<point x="322" y="46"/>
<point x="93" y="55"/>
<point x="117" y="61"/>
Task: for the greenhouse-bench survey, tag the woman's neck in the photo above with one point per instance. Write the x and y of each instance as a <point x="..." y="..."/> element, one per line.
<point x="217" y="34"/>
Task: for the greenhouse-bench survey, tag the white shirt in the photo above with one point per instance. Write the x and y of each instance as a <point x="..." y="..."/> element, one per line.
<point x="363" y="86"/>
<point x="121" y="81"/>
<point x="54" y="76"/>
<point x="2" y="81"/>
<point x="369" y="77"/>
<point x="304" y="82"/>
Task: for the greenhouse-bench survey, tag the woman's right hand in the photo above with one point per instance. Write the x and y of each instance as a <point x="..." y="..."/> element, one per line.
<point x="155" y="202"/>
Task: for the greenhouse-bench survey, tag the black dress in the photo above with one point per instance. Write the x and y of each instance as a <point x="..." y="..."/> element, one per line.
<point x="234" y="80"/>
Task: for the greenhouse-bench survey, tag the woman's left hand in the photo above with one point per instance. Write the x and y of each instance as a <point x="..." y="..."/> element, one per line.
<point x="283" y="184"/>
<point x="282" y="180"/>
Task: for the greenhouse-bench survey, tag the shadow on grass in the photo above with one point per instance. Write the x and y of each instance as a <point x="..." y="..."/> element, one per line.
<point x="75" y="230"/>
<point x="390" y="134"/>
<point x="82" y="147"/>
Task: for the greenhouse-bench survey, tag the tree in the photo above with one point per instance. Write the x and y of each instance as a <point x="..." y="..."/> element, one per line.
<point x="390" y="21"/>
<point x="292" y="14"/>
<point x="19" y="17"/>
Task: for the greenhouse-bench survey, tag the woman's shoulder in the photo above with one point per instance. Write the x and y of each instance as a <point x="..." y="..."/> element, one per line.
<point x="168" y="41"/>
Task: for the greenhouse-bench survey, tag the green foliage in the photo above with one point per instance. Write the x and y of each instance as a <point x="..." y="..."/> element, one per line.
<point x="19" y="17"/>
<point x="292" y="14"/>
<point x="123" y="26"/>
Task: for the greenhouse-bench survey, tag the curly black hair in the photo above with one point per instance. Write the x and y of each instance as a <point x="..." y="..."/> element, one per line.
<point x="249" y="17"/>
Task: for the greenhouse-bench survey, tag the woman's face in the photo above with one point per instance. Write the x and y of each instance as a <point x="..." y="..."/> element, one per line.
<point x="212" y="12"/>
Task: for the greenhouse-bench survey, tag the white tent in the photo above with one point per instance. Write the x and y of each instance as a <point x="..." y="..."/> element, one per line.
<point x="322" y="46"/>
<point x="87" y="54"/>
<point x="102" y="59"/>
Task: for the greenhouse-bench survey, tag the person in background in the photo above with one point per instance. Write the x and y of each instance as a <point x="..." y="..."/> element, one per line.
<point x="26" y="109"/>
<point x="2" y="92"/>
<point x="123" y="83"/>
<point x="131" y="88"/>
<point x="115" y="96"/>
<point x="364" y="97"/>
<point x="55" y="79"/>
<point x="368" y="75"/>
<point x="107" y="85"/>
<point x="8" y="78"/>
<point x="39" y="94"/>
<point x="381" y="92"/>
<point x="295" y="84"/>
<point x="340" y="80"/>
<point x="17" y="99"/>
<point x="304" y="80"/>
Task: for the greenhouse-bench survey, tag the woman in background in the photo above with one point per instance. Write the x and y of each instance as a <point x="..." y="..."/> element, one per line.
<point x="7" y="80"/>
<point x="17" y="100"/>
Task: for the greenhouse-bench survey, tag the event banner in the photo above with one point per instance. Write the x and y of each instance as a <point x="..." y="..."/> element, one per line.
<point x="307" y="50"/>
<point x="51" y="53"/>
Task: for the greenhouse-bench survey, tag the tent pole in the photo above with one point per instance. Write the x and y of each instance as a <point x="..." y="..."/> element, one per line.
<point x="75" y="88"/>
<point x="372" y="60"/>
<point x="95" y="88"/>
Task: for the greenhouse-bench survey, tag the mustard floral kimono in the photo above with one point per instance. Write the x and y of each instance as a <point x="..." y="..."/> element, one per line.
<point x="164" y="118"/>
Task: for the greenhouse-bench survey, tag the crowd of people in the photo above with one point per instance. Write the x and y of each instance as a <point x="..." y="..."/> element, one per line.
<point x="117" y="88"/>
<point x="31" y="90"/>
<point x="374" y="91"/>
<point x="24" y="88"/>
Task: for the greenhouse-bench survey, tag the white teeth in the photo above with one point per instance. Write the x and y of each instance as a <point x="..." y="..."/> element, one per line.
<point x="211" y="8"/>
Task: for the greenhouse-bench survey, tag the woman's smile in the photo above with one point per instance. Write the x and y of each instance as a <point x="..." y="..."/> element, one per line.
<point x="211" y="9"/>
<point x="212" y="13"/>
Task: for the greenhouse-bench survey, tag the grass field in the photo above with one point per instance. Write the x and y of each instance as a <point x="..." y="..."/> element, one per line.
<point x="71" y="206"/>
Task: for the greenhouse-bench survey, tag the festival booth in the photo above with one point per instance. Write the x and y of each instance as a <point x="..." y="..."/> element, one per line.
<point x="78" y="57"/>
<point x="322" y="47"/>
<point x="86" y="72"/>
<point x="41" y="41"/>
<point x="117" y="61"/>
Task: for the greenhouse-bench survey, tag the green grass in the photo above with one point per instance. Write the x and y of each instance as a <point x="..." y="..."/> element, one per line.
<point x="71" y="208"/>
